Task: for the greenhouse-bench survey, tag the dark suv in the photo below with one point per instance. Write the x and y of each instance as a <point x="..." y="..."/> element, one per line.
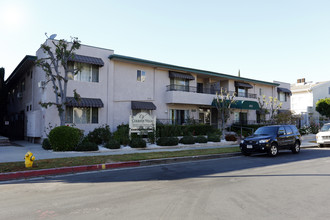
<point x="271" y="139"/>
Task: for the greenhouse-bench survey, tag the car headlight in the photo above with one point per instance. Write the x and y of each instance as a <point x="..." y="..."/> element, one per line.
<point x="264" y="141"/>
<point x="242" y="141"/>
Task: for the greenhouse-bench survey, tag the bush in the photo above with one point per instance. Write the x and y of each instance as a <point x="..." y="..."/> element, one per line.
<point x="213" y="138"/>
<point x="112" y="144"/>
<point x="167" y="141"/>
<point x="64" y="138"/>
<point x="151" y="137"/>
<point x="121" y="135"/>
<point x="201" y="139"/>
<point x="87" y="146"/>
<point x="46" y="144"/>
<point x="187" y="140"/>
<point x="100" y="135"/>
<point x="230" y="137"/>
<point x="138" y="143"/>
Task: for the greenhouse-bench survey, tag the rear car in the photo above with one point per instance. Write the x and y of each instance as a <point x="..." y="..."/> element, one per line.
<point x="323" y="137"/>
<point x="271" y="139"/>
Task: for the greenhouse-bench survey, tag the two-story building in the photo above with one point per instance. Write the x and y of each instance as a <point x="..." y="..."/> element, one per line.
<point x="113" y="87"/>
<point x="304" y="97"/>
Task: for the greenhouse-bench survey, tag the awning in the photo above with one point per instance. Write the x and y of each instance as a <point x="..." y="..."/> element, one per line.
<point x="285" y="90"/>
<point x="244" y="85"/>
<point x="87" y="59"/>
<point x="136" y="105"/>
<point x="173" y="74"/>
<point x="84" y="102"/>
<point x="241" y="104"/>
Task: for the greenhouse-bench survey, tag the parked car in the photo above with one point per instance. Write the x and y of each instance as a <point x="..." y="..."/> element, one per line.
<point x="323" y="137"/>
<point x="271" y="139"/>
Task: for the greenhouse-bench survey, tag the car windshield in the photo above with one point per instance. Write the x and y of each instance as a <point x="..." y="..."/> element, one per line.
<point x="326" y="127"/>
<point x="266" y="130"/>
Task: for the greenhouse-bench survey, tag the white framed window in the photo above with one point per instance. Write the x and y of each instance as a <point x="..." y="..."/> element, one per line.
<point x="282" y="96"/>
<point x="82" y="115"/>
<point x="260" y="91"/>
<point x="88" y="72"/>
<point x="140" y="76"/>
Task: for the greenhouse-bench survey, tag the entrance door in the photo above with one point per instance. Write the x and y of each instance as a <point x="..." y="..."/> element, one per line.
<point x="243" y="118"/>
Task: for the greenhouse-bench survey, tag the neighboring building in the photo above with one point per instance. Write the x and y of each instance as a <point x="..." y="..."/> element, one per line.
<point x="284" y="95"/>
<point x="304" y="98"/>
<point x="3" y="100"/>
<point x="113" y="87"/>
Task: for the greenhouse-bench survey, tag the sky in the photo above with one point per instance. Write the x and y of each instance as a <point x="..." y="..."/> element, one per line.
<point x="281" y="40"/>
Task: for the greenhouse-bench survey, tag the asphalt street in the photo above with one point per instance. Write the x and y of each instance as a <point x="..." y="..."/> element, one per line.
<point x="259" y="187"/>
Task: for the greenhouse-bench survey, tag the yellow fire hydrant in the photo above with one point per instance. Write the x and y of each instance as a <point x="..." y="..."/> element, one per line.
<point x="29" y="158"/>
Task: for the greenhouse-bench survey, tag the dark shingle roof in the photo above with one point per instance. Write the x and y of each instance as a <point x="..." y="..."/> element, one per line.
<point x="87" y="59"/>
<point x="84" y="102"/>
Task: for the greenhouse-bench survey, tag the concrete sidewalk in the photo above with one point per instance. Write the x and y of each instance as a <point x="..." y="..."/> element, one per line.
<point x="18" y="150"/>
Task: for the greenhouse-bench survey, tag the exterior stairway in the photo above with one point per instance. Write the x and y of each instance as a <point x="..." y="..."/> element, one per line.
<point x="4" y="141"/>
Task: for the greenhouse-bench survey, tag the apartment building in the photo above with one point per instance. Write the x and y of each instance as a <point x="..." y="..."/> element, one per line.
<point x="113" y="87"/>
<point x="305" y="94"/>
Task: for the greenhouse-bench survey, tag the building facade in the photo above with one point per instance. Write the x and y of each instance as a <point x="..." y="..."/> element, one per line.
<point x="304" y="97"/>
<point x="113" y="87"/>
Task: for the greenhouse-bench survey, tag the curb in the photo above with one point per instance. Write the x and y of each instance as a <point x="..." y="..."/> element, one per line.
<point x="86" y="168"/>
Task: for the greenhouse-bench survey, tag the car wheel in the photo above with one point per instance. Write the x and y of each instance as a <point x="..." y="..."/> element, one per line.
<point x="296" y="148"/>
<point x="273" y="150"/>
<point x="320" y="145"/>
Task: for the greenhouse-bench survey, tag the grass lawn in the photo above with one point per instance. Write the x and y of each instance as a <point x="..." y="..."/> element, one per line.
<point x="90" y="160"/>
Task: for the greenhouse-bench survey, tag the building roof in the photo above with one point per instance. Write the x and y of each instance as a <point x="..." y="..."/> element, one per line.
<point x="184" y="69"/>
<point x="305" y="86"/>
<point x="27" y="62"/>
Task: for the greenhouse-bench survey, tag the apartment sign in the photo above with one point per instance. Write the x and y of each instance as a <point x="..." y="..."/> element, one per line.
<point x="142" y="120"/>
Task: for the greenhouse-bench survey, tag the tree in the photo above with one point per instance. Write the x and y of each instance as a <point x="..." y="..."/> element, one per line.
<point x="223" y="102"/>
<point x="53" y="65"/>
<point x="271" y="106"/>
<point x="323" y="107"/>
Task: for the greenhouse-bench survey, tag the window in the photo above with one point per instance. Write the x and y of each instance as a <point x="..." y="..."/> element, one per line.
<point x="88" y="72"/>
<point x="329" y="90"/>
<point x="282" y="97"/>
<point x="260" y="91"/>
<point x="81" y="115"/>
<point x="179" y="116"/>
<point x="141" y="76"/>
<point x="23" y="85"/>
<point x="179" y="84"/>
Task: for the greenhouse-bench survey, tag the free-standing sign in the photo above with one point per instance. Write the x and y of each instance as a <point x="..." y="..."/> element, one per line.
<point x="142" y="122"/>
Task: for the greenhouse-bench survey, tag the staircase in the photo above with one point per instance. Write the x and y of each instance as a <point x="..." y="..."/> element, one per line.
<point x="4" y="141"/>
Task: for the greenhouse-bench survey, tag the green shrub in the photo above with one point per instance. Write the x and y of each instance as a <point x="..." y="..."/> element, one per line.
<point x="213" y="137"/>
<point x="100" y="135"/>
<point x="187" y="140"/>
<point x="112" y="144"/>
<point x="151" y="137"/>
<point x="201" y="139"/>
<point x="138" y="143"/>
<point x="230" y="137"/>
<point x="64" y="138"/>
<point x="46" y="144"/>
<point x="167" y="141"/>
<point x="303" y="130"/>
<point x="87" y="146"/>
<point x="122" y="134"/>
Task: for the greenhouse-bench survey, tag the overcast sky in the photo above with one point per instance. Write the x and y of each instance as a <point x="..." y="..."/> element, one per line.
<point x="268" y="40"/>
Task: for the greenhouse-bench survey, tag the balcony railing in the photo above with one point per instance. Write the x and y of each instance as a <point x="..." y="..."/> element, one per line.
<point x="194" y="89"/>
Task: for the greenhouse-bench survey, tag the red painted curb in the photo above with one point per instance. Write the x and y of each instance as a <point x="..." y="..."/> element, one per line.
<point x="64" y="170"/>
